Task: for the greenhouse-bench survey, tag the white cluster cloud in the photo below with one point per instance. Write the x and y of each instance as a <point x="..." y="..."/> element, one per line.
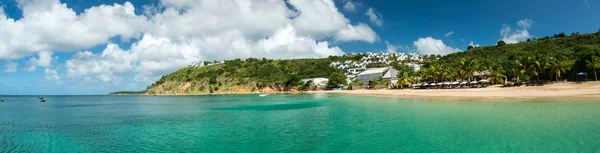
<point x="510" y="37"/>
<point x="48" y="25"/>
<point x="429" y="45"/>
<point x="375" y="17"/>
<point x="449" y="34"/>
<point x="525" y="23"/>
<point x="153" y="56"/>
<point x="105" y="67"/>
<point x="349" y="6"/>
<point x="474" y="45"/>
<point x="586" y="3"/>
<point x="10" y="66"/>
<point x="51" y="74"/>
<point x="174" y="33"/>
<point x="360" y="32"/>
<point x="320" y="18"/>
<point x="391" y="48"/>
<point x="44" y="60"/>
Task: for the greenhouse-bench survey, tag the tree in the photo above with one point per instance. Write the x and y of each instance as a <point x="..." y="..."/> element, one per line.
<point x="433" y="72"/>
<point x="293" y="80"/>
<point x="404" y="75"/>
<point x="501" y="43"/>
<point x="212" y="80"/>
<point x="470" y="47"/>
<point x="467" y="67"/>
<point x="497" y="72"/>
<point x="562" y="35"/>
<point x="337" y="79"/>
<point x="528" y="65"/>
<point x="594" y="64"/>
<point x="559" y="66"/>
<point x="305" y="86"/>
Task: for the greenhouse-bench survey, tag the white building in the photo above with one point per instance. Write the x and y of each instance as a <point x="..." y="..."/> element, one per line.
<point x="416" y="67"/>
<point x="386" y="73"/>
<point x="356" y="70"/>
<point x="317" y="81"/>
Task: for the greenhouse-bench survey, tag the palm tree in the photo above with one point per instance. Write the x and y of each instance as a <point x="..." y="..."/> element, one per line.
<point x="529" y="66"/>
<point x="497" y="71"/>
<point x="450" y="74"/>
<point x="543" y="62"/>
<point x="481" y="70"/>
<point x="594" y="64"/>
<point x="467" y="67"/>
<point x="558" y="66"/>
<point x="516" y="71"/>
<point x="403" y="78"/>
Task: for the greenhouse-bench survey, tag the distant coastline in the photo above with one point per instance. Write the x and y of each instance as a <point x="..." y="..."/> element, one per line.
<point x="122" y="93"/>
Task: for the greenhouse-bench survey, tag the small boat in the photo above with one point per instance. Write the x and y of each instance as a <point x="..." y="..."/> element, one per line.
<point x="42" y="99"/>
<point x="263" y="95"/>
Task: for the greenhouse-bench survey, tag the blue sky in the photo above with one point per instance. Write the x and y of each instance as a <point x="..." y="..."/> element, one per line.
<point x="404" y="26"/>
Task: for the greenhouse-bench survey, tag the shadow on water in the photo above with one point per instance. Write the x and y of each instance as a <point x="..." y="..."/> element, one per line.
<point x="276" y="107"/>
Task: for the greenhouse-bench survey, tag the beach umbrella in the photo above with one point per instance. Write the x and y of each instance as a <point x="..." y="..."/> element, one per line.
<point x="455" y="83"/>
<point x="432" y="84"/>
<point x="447" y="83"/>
<point x="463" y="83"/>
<point x="439" y="84"/>
<point x="582" y="74"/>
<point x="484" y="81"/>
<point x="474" y="82"/>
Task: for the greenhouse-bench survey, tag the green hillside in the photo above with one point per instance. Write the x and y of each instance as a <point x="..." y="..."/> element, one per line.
<point x="244" y="76"/>
<point x="548" y="58"/>
<point x="537" y="59"/>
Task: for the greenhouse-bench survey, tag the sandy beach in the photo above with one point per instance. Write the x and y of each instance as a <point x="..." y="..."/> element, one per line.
<point x="551" y="92"/>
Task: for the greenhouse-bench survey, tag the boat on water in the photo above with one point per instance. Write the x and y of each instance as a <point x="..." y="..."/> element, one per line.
<point x="263" y="95"/>
<point x="42" y="99"/>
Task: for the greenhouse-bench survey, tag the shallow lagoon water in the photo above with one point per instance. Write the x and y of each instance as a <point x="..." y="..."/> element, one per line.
<point x="294" y="123"/>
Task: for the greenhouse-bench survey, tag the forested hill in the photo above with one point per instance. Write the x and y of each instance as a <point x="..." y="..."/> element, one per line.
<point x="537" y="58"/>
<point x="540" y="58"/>
<point x="239" y="76"/>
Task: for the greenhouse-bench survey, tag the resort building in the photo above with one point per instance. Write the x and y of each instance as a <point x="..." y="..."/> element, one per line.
<point x="416" y="67"/>
<point x="386" y="73"/>
<point x="317" y="81"/>
<point x="355" y="71"/>
<point x="370" y="59"/>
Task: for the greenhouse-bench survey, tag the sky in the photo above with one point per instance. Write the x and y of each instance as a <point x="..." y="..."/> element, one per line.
<point x="89" y="47"/>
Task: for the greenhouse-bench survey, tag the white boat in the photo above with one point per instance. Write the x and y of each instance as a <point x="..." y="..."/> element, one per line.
<point x="263" y="95"/>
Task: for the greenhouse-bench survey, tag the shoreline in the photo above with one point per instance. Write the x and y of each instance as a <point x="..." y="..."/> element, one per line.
<point x="570" y="91"/>
<point x="587" y="91"/>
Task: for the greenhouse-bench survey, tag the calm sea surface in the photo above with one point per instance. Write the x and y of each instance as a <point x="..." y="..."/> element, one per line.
<point x="294" y="123"/>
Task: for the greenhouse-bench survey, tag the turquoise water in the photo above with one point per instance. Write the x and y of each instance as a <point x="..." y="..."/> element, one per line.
<point x="294" y="123"/>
